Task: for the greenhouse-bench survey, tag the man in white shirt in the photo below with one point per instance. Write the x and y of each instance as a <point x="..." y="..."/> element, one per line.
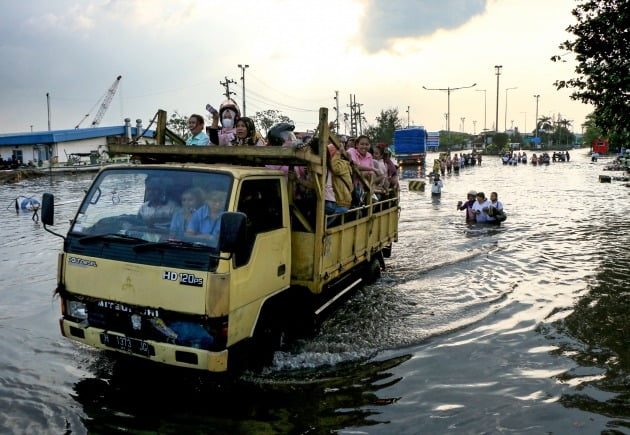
<point x="436" y="185"/>
<point x="480" y="208"/>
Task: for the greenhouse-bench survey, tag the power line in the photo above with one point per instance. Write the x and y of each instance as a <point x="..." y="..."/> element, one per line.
<point x="284" y="94"/>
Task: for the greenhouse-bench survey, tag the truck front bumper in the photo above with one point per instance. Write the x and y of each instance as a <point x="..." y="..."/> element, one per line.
<point x="160" y="352"/>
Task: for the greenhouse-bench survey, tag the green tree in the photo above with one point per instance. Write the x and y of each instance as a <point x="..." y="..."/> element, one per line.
<point x="603" y="60"/>
<point x="179" y="124"/>
<point x="499" y="144"/>
<point x="591" y="131"/>
<point x="268" y="118"/>
<point x="386" y="123"/>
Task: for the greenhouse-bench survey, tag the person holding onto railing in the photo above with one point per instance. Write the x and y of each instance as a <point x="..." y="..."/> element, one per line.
<point x="338" y="194"/>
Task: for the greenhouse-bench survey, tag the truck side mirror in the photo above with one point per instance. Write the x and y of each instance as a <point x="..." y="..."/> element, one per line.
<point x="232" y="233"/>
<point x="48" y="209"/>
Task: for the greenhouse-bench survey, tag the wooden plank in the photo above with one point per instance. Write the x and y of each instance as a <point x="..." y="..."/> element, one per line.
<point x="218" y="154"/>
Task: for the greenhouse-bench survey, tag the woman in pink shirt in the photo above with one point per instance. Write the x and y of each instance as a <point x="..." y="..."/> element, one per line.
<point x="363" y="160"/>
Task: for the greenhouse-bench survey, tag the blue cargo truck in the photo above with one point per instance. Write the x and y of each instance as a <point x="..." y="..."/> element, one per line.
<point x="410" y="146"/>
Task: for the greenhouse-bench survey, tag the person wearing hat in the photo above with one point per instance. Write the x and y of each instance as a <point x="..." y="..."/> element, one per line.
<point x="470" y="215"/>
<point x="228" y="114"/>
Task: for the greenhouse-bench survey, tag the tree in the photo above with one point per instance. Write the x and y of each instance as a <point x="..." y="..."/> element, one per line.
<point x="499" y="144"/>
<point x="179" y="124"/>
<point x="603" y="61"/>
<point x="591" y="130"/>
<point x="386" y="123"/>
<point x="268" y="118"/>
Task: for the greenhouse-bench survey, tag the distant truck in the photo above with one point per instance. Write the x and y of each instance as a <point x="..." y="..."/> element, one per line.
<point x="224" y="301"/>
<point x="410" y="146"/>
<point x="600" y="146"/>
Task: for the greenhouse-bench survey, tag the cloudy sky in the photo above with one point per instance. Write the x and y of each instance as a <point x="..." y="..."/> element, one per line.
<point x="172" y="54"/>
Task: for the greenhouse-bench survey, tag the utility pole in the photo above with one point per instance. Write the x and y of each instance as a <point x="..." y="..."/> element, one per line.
<point x="48" y="106"/>
<point x="505" y="120"/>
<point x="408" y="107"/>
<point x="353" y="118"/>
<point x="496" y="120"/>
<point x="337" y="111"/>
<point x="242" y="67"/>
<point x="536" y="118"/>
<point x="485" y="94"/>
<point x="360" y="114"/>
<point x="463" y="128"/>
<point x="448" y="93"/>
<point x="226" y="84"/>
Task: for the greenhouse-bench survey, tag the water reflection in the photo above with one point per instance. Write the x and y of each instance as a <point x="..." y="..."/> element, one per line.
<point x="146" y="397"/>
<point x="600" y="327"/>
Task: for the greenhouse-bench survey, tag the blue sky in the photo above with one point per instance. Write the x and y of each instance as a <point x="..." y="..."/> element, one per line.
<point x="172" y="54"/>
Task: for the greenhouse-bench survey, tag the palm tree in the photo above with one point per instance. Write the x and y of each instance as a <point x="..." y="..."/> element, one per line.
<point x="564" y="123"/>
<point x="544" y="123"/>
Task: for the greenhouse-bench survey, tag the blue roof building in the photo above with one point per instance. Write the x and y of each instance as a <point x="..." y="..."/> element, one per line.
<point x="57" y="145"/>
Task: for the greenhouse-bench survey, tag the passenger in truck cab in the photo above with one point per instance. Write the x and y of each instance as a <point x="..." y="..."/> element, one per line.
<point x="191" y="200"/>
<point x="206" y="221"/>
<point x="157" y="209"/>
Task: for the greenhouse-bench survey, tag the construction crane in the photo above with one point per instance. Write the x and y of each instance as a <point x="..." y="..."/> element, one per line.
<point x="104" y="105"/>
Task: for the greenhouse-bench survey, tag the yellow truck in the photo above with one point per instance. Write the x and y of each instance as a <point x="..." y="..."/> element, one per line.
<point x="222" y="299"/>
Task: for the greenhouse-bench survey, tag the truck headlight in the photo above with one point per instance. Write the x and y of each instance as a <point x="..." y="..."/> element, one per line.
<point x="76" y="309"/>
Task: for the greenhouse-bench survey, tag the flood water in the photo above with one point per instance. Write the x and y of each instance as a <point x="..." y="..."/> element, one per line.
<point x="522" y="328"/>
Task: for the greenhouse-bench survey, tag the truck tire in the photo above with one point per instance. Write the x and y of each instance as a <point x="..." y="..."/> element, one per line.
<point x="373" y="272"/>
<point x="268" y="337"/>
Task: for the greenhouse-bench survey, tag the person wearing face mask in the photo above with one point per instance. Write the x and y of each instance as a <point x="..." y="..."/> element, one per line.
<point x="228" y="114"/>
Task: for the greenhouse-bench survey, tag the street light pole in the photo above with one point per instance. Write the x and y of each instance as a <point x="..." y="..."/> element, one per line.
<point x="242" y="67"/>
<point x="448" y="93"/>
<point x="408" y="107"/>
<point x="506" y="94"/>
<point x="536" y="118"/>
<point x="496" y="120"/>
<point x="484" y="106"/>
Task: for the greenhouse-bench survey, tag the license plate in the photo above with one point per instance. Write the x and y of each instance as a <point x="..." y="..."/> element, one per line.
<point x="127" y="344"/>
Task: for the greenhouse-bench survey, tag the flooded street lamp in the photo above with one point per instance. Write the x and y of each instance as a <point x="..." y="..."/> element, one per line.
<point x="506" y="95"/>
<point x="496" y="120"/>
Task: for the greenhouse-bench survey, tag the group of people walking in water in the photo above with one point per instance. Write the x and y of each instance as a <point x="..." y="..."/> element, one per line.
<point x="480" y="209"/>
<point x="513" y="158"/>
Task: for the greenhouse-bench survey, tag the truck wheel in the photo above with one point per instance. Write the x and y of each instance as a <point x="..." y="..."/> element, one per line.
<point x="373" y="270"/>
<point x="267" y="340"/>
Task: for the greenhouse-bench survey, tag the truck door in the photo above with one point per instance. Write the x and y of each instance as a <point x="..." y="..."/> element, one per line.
<point x="263" y="266"/>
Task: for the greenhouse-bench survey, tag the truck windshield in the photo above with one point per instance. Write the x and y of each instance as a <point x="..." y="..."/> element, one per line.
<point x="154" y="205"/>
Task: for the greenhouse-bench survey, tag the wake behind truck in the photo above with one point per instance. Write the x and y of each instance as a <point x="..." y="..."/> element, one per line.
<point x="228" y="300"/>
